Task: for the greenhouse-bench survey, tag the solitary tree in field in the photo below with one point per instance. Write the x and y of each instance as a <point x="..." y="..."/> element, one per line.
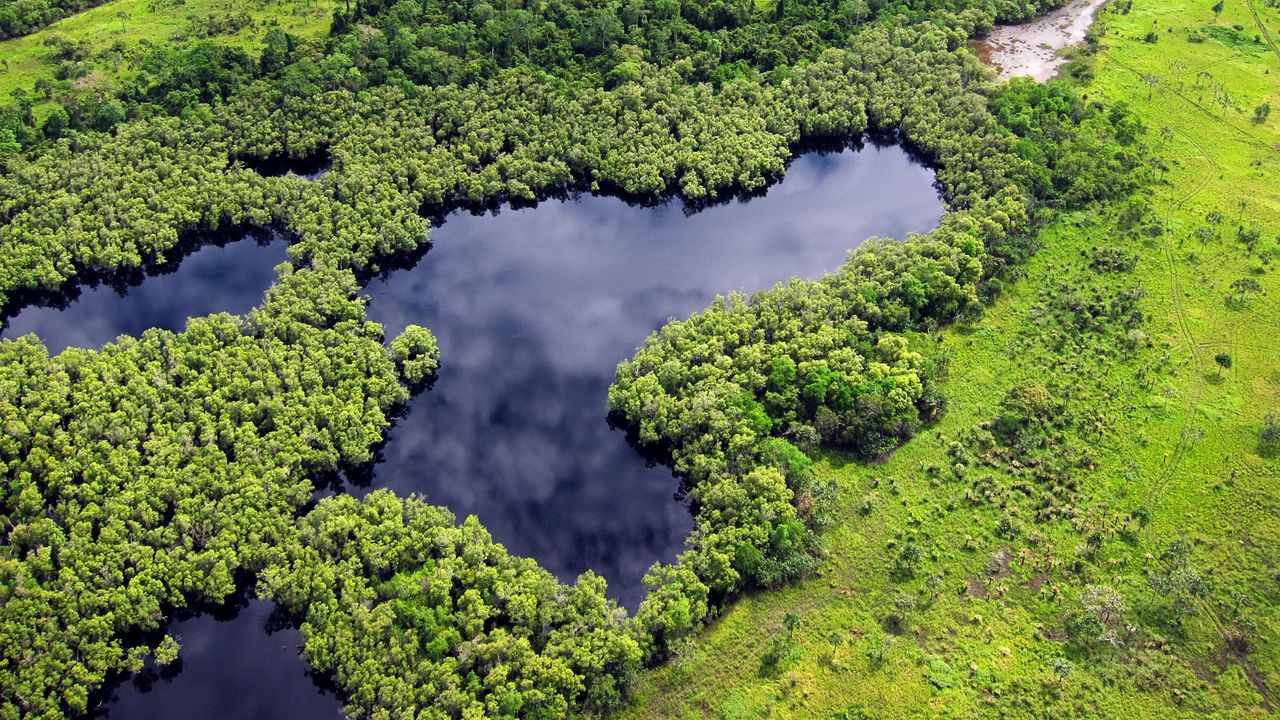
<point x="1101" y="612"/>
<point x="1241" y="291"/>
<point x="1152" y="80"/>
<point x="1260" y="113"/>
<point x="1217" y="8"/>
<point x="1270" y="439"/>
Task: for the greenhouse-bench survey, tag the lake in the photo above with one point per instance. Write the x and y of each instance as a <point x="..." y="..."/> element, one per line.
<point x="534" y="308"/>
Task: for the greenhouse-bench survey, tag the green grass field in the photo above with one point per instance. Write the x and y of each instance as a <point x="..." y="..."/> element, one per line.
<point x="116" y="34"/>
<point x="1168" y="443"/>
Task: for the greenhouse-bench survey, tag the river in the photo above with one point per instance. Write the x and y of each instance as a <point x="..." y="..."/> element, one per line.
<point x="1034" y="48"/>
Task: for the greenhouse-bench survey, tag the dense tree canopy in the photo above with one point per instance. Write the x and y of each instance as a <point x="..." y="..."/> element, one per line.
<point x="150" y="475"/>
<point x="20" y="17"/>
<point x="421" y="618"/>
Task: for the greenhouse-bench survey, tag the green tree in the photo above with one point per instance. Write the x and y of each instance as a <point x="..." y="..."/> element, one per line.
<point x="1101" y="614"/>
<point x="1270" y="436"/>
<point x="166" y="652"/>
<point x="416" y="355"/>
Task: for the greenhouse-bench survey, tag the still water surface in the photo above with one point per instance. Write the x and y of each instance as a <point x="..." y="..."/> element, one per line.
<point x="534" y="308"/>
<point x="229" y="275"/>
<point x="241" y="663"/>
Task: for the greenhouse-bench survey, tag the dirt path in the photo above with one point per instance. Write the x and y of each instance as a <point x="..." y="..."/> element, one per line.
<point x="1266" y="34"/>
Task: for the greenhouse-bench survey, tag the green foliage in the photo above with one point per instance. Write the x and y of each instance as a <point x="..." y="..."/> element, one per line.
<point x="148" y="475"/>
<point x="940" y="675"/>
<point x="1241" y="291"/>
<point x="1176" y="586"/>
<point x="1075" y="152"/>
<point x="1143" y="450"/>
<point x="1061" y="667"/>
<point x="1101" y="615"/>
<point x="167" y="651"/>
<point x="415" y="614"/>
<point x="853" y="712"/>
<point x="151" y="475"/>
<point x="416" y="355"/>
<point x="1112" y="259"/>
<point x="21" y="18"/>
<point x="1270" y="436"/>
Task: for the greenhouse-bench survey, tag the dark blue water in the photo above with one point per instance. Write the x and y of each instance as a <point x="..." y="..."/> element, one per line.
<point x="228" y="276"/>
<point x="534" y="308"/>
<point x="238" y="664"/>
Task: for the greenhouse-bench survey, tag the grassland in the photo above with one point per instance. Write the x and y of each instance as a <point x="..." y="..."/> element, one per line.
<point x="1159" y="441"/>
<point x="115" y="34"/>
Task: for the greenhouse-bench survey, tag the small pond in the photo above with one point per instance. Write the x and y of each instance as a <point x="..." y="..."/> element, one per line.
<point x="228" y="275"/>
<point x="1034" y="48"/>
<point x="534" y="308"/>
<point x="311" y="167"/>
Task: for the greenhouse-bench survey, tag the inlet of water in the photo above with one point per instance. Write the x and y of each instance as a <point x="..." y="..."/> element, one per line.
<point x="238" y="663"/>
<point x="229" y="274"/>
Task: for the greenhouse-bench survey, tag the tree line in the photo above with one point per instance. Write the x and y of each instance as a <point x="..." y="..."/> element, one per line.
<point x="23" y="17"/>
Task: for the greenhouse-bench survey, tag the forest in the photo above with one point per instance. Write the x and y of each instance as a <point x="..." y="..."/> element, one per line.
<point x="20" y="17"/>
<point x="170" y="470"/>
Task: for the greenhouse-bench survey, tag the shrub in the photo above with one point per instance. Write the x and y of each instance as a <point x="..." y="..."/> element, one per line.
<point x="1270" y="438"/>
<point x="1101" y="614"/>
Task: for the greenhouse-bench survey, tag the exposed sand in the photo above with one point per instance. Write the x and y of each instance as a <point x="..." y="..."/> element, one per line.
<point x="1032" y="48"/>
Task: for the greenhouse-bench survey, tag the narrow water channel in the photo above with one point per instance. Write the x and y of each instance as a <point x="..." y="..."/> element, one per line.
<point x="229" y="275"/>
